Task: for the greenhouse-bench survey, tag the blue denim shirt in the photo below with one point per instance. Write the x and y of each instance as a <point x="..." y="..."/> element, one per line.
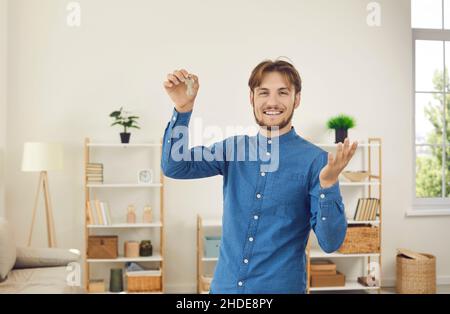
<point x="267" y="215"/>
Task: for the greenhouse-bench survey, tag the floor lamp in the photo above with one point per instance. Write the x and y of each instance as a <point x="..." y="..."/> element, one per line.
<point x="43" y="157"/>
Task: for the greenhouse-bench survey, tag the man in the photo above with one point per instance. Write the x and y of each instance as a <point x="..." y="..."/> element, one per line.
<point x="268" y="210"/>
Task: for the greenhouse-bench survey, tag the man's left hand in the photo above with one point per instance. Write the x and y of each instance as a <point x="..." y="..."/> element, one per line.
<point x="330" y="173"/>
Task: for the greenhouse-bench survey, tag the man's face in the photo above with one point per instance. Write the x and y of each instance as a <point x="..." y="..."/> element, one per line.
<point x="274" y="101"/>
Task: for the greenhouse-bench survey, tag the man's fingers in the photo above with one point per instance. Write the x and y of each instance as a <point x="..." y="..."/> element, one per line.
<point x="184" y="73"/>
<point x="173" y="79"/>
<point x="167" y="84"/>
<point x="179" y="76"/>
<point x="330" y="159"/>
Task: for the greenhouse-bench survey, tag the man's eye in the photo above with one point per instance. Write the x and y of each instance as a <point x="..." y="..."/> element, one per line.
<point x="284" y="93"/>
<point x="262" y="94"/>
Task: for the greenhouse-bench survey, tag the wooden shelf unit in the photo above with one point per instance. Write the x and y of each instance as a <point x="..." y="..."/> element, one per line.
<point x="88" y="228"/>
<point x="374" y="179"/>
<point x="201" y="224"/>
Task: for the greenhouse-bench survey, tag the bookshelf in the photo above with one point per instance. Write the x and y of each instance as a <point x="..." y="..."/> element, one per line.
<point x="124" y="191"/>
<point x="205" y="226"/>
<point x="370" y="188"/>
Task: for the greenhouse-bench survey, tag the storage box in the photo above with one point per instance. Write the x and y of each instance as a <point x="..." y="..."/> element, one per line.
<point x="103" y="246"/>
<point x="211" y="246"/>
<point x="361" y="239"/>
<point x="416" y="273"/>
<point x="205" y="283"/>
<point x="337" y="280"/>
<point x="322" y="267"/>
<point x="96" y="286"/>
<point x="144" y="281"/>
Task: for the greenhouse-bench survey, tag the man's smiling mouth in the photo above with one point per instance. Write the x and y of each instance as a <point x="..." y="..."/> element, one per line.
<point x="272" y="112"/>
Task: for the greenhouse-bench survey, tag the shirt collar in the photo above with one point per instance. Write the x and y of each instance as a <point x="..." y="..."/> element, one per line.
<point x="281" y="139"/>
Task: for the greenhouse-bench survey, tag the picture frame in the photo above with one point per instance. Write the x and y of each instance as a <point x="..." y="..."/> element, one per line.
<point x="145" y="176"/>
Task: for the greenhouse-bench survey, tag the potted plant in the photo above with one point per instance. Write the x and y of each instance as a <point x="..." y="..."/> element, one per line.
<point x="125" y="119"/>
<point x="341" y="124"/>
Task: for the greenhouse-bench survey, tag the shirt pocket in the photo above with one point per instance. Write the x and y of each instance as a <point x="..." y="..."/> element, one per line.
<point x="288" y="187"/>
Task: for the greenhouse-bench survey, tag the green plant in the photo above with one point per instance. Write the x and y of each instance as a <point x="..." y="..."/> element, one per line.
<point x="124" y="119"/>
<point x="341" y="121"/>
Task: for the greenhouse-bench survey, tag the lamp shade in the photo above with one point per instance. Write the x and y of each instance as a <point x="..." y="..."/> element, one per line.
<point x="42" y="156"/>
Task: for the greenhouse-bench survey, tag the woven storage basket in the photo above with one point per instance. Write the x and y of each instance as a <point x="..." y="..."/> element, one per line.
<point x="416" y="275"/>
<point x="361" y="239"/>
<point x="144" y="283"/>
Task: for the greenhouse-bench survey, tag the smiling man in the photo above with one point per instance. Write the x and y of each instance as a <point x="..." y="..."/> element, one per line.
<point x="268" y="211"/>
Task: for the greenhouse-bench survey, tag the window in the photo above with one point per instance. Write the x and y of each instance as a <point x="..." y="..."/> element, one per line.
<point x="430" y="22"/>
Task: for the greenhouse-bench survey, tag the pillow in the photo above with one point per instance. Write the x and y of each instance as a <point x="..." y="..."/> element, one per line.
<point x="28" y="257"/>
<point x="7" y="249"/>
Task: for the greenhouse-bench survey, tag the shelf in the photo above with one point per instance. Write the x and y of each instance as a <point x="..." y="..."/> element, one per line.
<point x="211" y="223"/>
<point x="357" y="222"/>
<point x="349" y="285"/>
<point x="331" y="145"/>
<point x="317" y="253"/>
<point x="126" y="225"/>
<point x="210" y="259"/>
<point x="123" y="185"/>
<point x="121" y="145"/>
<point x="367" y="183"/>
<point x="154" y="258"/>
<point x="126" y="292"/>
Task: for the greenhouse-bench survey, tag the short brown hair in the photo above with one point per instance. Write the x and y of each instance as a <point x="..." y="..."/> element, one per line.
<point x="285" y="68"/>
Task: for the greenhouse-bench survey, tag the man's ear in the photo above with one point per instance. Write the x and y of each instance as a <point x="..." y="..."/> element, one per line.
<point x="251" y="98"/>
<point x="298" y="96"/>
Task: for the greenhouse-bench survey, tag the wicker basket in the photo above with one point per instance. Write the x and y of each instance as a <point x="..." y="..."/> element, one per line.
<point x="144" y="283"/>
<point x="416" y="275"/>
<point x="361" y="239"/>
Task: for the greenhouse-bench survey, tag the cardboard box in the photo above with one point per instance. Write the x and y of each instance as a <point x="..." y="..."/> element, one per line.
<point x="96" y="286"/>
<point x="322" y="267"/>
<point x="337" y="280"/>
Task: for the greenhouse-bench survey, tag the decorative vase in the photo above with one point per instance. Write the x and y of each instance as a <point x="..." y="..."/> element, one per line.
<point x="146" y="248"/>
<point x="340" y="135"/>
<point x="116" y="280"/>
<point x="131" y="249"/>
<point x="147" y="218"/>
<point x="125" y="137"/>
<point x="131" y="214"/>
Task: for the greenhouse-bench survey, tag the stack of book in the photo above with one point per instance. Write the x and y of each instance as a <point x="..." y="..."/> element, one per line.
<point x="94" y="173"/>
<point x="324" y="274"/>
<point x="98" y="213"/>
<point x="366" y="209"/>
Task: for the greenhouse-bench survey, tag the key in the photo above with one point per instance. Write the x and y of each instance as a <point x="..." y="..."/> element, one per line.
<point x="190" y="86"/>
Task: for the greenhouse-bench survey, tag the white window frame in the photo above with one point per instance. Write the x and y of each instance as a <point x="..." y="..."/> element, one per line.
<point x="428" y="206"/>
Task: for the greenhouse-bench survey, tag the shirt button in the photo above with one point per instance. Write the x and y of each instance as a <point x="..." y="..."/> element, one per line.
<point x="269" y="141"/>
<point x="174" y="118"/>
<point x="324" y="218"/>
<point x="168" y="141"/>
<point x="240" y="283"/>
<point x="322" y="195"/>
<point x="255" y="217"/>
<point x="250" y="239"/>
<point x="263" y="174"/>
<point x="258" y="195"/>
<point x="245" y="261"/>
<point x="267" y="153"/>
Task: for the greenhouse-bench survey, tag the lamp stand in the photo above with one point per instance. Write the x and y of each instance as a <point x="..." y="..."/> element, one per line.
<point x="43" y="181"/>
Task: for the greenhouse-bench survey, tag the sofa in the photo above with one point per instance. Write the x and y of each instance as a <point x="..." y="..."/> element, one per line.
<point x="36" y="270"/>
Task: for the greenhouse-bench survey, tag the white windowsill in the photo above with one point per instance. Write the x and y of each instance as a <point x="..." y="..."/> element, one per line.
<point x="427" y="212"/>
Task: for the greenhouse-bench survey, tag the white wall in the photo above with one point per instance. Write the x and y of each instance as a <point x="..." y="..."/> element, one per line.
<point x="63" y="82"/>
<point x="3" y="32"/>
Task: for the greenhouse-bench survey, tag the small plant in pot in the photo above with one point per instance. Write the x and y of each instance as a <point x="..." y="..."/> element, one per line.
<point x="125" y="119"/>
<point x="341" y="124"/>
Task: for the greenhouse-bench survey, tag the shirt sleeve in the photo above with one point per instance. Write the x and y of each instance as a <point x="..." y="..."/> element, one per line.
<point x="180" y="162"/>
<point x="328" y="218"/>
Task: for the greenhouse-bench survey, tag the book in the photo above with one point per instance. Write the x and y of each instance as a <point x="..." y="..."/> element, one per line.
<point x="99" y="212"/>
<point x="93" y="212"/>
<point x="89" y="218"/>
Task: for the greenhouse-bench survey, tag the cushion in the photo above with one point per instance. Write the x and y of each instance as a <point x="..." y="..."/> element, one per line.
<point x="28" y="257"/>
<point x="7" y="249"/>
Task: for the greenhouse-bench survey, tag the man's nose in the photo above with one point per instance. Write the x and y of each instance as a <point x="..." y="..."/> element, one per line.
<point x="272" y="100"/>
